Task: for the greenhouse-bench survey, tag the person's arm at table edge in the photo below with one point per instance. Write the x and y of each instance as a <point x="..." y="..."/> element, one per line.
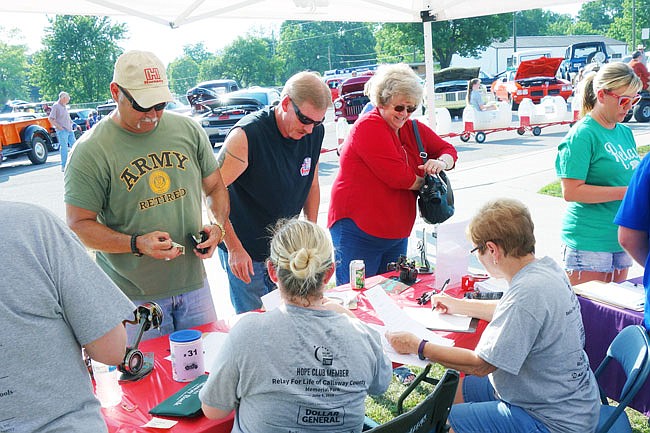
<point x="481" y="309"/>
<point x="464" y="360"/>
<point x="214" y="413"/>
<point x="110" y="348"/>
<point x="312" y="202"/>
<point x="635" y="242"/>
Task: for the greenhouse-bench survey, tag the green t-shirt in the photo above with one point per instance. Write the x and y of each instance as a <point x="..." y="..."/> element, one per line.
<point x="599" y="156"/>
<point x="138" y="183"/>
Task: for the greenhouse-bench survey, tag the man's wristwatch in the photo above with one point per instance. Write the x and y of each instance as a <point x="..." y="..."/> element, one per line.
<point x="223" y="230"/>
<point x="134" y="248"/>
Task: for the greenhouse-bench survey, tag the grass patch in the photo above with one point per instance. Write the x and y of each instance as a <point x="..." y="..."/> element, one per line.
<point x="383" y="408"/>
<point x="555" y="190"/>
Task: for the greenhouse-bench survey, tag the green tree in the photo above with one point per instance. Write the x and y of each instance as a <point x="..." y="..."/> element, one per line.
<point x="250" y="62"/>
<point x="197" y="52"/>
<point x="465" y="37"/>
<point x="621" y="27"/>
<point x="539" y="22"/>
<point x="320" y="46"/>
<point x="78" y="56"/>
<point x="183" y="73"/>
<point x="13" y="72"/>
<point x="600" y="14"/>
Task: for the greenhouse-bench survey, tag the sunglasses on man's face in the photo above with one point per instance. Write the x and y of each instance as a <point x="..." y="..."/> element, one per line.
<point x="409" y="108"/>
<point x="304" y="119"/>
<point x="624" y="101"/>
<point x="138" y="107"/>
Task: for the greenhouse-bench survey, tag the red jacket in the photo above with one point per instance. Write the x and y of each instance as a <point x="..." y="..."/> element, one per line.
<point x="377" y="168"/>
<point x="642" y="72"/>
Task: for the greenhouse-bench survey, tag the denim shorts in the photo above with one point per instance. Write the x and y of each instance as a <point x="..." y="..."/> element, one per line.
<point x="581" y="260"/>
<point x="483" y="412"/>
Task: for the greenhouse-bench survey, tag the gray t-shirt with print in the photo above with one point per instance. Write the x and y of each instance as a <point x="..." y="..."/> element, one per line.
<point x="54" y="300"/>
<point x="536" y="341"/>
<point x="298" y="370"/>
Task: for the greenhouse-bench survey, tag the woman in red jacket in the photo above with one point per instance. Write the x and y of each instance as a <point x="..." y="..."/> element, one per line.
<point x="373" y="204"/>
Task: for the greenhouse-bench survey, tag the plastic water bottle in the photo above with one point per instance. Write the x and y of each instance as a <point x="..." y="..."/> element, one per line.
<point x="107" y="386"/>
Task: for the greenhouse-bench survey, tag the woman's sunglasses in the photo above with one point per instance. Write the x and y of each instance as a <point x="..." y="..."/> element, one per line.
<point x="409" y="108"/>
<point x="624" y="101"/>
<point x="304" y="119"/>
<point x="137" y="107"/>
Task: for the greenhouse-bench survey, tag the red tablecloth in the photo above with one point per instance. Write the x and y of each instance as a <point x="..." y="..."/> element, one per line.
<point x="408" y="298"/>
<point x="141" y="396"/>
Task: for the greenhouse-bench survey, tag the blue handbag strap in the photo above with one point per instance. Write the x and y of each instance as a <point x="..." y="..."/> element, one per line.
<point x="423" y="154"/>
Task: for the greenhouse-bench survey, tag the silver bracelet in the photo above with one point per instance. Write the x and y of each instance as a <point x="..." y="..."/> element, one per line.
<point x="445" y="162"/>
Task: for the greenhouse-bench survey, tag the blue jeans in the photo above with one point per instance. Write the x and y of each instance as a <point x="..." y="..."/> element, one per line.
<point x="66" y="139"/>
<point x="352" y="243"/>
<point x="483" y="412"/>
<point x="581" y="260"/>
<point x="247" y="297"/>
<point x="183" y="311"/>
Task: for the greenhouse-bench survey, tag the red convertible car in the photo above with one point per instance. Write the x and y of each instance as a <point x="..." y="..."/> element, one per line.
<point x="533" y="79"/>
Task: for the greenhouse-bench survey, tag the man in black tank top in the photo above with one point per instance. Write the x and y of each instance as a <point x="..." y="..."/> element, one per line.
<point x="270" y="163"/>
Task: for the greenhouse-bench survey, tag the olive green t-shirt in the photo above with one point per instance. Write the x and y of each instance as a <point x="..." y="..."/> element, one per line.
<point x="139" y="183"/>
<point x="599" y="156"/>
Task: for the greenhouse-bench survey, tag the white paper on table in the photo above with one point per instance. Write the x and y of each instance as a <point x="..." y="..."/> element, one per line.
<point x="212" y="344"/>
<point x="394" y="356"/>
<point x="160" y="423"/>
<point x="395" y="319"/>
<point x="492" y="285"/>
<point x="437" y="320"/>
<point x="272" y="300"/>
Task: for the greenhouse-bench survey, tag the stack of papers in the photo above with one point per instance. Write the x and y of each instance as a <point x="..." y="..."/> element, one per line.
<point x="623" y="295"/>
<point x="395" y="319"/>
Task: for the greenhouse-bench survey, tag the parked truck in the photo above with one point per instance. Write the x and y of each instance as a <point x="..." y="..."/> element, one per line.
<point x="23" y="133"/>
<point x="580" y="54"/>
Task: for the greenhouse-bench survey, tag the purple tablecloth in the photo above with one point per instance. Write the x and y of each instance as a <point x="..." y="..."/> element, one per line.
<point x="602" y="323"/>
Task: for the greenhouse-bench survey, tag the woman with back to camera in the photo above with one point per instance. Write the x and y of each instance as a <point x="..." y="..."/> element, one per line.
<point x="304" y="366"/>
<point x="529" y="371"/>
<point x="475" y="98"/>
<point x="373" y="202"/>
<point x="595" y="162"/>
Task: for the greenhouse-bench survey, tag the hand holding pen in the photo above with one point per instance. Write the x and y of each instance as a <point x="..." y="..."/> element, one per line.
<point x="440" y="292"/>
<point x="426" y="296"/>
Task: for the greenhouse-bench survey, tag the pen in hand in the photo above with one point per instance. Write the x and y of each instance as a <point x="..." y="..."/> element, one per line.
<point x="442" y="290"/>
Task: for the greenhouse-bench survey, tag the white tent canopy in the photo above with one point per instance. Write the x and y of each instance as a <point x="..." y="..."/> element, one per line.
<point x="175" y="13"/>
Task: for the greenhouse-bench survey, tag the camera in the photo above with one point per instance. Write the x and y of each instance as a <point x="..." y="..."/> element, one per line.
<point x="197" y="239"/>
<point x="408" y="272"/>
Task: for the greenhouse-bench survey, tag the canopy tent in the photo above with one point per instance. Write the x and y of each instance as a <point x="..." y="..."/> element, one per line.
<point x="175" y="13"/>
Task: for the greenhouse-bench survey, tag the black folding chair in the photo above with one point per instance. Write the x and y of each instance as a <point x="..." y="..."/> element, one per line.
<point x="430" y="415"/>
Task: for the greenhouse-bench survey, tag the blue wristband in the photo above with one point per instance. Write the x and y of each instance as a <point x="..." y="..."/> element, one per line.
<point x="421" y="349"/>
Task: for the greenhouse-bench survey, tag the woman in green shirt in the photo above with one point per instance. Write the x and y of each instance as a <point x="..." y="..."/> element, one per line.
<point x="595" y="162"/>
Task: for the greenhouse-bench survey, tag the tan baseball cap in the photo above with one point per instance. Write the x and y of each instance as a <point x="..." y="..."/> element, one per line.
<point x="143" y="75"/>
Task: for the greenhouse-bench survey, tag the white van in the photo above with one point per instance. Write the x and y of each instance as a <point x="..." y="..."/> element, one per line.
<point x="512" y="62"/>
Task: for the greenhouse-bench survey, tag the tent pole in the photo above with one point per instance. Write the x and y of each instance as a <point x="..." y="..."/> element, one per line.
<point x="428" y="67"/>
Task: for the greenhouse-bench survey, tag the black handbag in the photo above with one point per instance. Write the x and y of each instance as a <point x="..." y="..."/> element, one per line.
<point x="436" y="198"/>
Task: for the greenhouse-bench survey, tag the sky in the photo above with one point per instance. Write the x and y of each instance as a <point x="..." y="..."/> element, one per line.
<point x="165" y="42"/>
